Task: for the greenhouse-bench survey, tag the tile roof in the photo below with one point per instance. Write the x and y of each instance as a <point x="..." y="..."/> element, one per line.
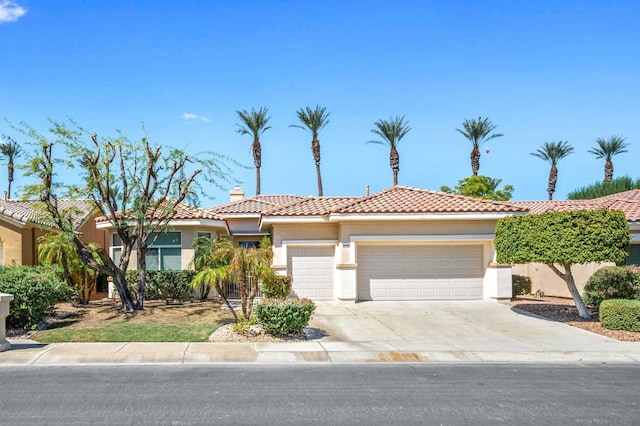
<point x="627" y="202"/>
<point x="311" y="206"/>
<point x="183" y="211"/>
<point x="34" y="211"/>
<point x="402" y="199"/>
<point x="256" y="204"/>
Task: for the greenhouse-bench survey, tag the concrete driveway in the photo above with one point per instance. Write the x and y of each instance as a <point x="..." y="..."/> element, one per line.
<point x="454" y="326"/>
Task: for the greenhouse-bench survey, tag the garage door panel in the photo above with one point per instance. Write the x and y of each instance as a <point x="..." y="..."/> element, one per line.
<point x="312" y="272"/>
<point x="422" y="272"/>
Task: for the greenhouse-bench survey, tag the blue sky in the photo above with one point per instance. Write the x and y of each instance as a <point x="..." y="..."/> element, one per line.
<point x="540" y="70"/>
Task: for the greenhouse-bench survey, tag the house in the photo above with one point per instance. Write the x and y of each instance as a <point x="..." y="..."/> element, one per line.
<point x="23" y="222"/>
<point x="543" y="278"/>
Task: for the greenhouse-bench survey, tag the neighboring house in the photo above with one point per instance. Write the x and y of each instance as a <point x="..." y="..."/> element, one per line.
<point x="398" y="244"/>
<point x="543" y="278"/>
<point x="23" y="222"/>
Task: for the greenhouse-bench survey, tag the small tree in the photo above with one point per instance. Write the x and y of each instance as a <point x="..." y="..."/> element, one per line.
<point x="135" y="185"/>
<point x="481" y="187"/>
<point x="562" y="239"/>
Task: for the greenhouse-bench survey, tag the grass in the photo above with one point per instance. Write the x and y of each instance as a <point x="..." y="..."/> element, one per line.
<point x="158" y="322"/>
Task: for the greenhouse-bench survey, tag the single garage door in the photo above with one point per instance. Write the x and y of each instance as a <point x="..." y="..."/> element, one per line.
<point x="312" y="272"/>
<point x="420" y="272"/>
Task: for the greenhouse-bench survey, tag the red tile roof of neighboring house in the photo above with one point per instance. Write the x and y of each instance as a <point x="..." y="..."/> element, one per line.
<point x="402" y="199"/>
<point x="627" y="202"/>
<point x="182" y="211"/>
<point x="311" y="206"/>
<point x="256" y="204"/>
<point x="35" y="212"/>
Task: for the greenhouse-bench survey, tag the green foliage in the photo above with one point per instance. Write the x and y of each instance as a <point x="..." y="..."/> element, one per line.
<point x="276" y="286"/>
<point x="164" y="285"/>
<point x="481" y="187"/>
<point x="614" y="282"/>
<point x="620" y="314"/>
<point x="520" y="285"/>
<point x="601" y="189"/>
<point x="242" y="326"/>
<point x="284" y="316"/>
<point x="568" y="237"/>
<point x="36" y="291"/>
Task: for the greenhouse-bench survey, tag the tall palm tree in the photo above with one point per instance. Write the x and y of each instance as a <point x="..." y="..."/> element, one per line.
<point x="478" y="132"/>
<point x="552" y="152"/>
<point x="607" y="148"/>
<point x="10" y="150"/>
<point x="314" y="120"/>
<point x="391" y="131"/>
<point x="254" y="123"/>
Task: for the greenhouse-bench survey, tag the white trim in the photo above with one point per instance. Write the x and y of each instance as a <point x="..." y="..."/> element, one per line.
<point x="635" y="238"/>
<point x="292" y="219"/>
<point x="177" y="222"/>
<point x="634" y="226"/>
<point x="238" y="215"/>
<point x="337" y="217"/>
<point x="309" y="242"/>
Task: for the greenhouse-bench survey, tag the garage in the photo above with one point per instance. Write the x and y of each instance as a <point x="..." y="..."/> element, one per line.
<point x="420" y="272"/>
<point x="312" y="271"/>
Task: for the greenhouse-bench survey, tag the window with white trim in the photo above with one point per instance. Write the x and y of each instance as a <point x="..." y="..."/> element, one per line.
<point x="116" y="248"/>
<point x="165" y="252"/>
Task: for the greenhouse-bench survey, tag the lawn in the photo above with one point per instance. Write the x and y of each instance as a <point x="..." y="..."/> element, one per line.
<point x="103" y="321"/>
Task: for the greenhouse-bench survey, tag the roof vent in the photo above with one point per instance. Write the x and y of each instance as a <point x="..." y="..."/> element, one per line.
<point x="236" y="194"/>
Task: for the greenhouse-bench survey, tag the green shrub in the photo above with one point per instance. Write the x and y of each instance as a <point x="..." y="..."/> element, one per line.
<point x="276" y="286"/>
<point x="612" y="282"/>
<point x="164" y="285"/>
<point x="243" y="325"/>
<point x="620" y="314"/>
<point x="284" y="316"/>
<point x="36" y="290"/>
<point x="520" y="285"/>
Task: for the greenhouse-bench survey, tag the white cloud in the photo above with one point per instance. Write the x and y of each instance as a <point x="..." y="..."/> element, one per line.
<point x="10" y="11"/>
<point x="189" y="116"/>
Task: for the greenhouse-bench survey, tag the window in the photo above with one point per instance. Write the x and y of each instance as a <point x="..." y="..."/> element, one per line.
<point x="165" y="252"/>
<point x="249" y="244"/>
<point x="204" y="234"/>
<point x="634" y="255"/>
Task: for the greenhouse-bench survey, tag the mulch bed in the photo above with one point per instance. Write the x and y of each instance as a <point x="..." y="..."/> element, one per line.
<point x="563" y="310"/>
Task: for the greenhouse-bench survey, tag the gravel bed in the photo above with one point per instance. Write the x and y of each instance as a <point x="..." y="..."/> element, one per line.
<point x="257" y="334"/>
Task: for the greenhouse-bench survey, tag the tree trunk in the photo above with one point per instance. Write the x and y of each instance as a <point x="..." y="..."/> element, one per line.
<point x="315" y="150"/>
<point x="475" y="160"/>
<point x="608" y="171"/>
<point x="553" y="178"/>
<point x="10" y="179"/>
<point x="120" y="282"/>
<point x="257" y="161"/>
<point x="257" y="180"/>
<point x="220" y="291"/>
<point x="394" y="162"/>
<point x="142" y="277"/>
<point x="567" y="276"/>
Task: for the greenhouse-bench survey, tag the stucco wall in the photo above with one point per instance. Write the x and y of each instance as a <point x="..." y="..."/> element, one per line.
<point x="545" y="280"/>
<point x="458" y="227"/>
<point x="11" y="237"/>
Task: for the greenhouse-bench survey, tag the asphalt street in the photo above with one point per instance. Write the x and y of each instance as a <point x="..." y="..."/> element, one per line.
<point x="379" y="394"/>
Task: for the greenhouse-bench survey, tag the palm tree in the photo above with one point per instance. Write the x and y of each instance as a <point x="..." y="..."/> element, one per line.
<point x="391" y="132"/>
<point x="606" y="149"/>
<point x="10" y="150"/>
<point x="553" y="152"/>
<point x="314" y="120"/>
<point x="478" y="132"/>
<point x="254" y="123"/>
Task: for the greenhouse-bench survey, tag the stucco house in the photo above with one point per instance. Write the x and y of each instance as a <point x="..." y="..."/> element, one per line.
<point x="23" y="222"/>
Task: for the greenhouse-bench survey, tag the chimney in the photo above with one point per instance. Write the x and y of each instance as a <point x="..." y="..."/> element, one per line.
<point x="236" y="194"/>
<point x="6" y="196"/>
<point x="367" y="191"/>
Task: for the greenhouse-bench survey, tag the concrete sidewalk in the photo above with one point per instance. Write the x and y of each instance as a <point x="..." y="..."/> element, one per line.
<point x="24" y="352"/>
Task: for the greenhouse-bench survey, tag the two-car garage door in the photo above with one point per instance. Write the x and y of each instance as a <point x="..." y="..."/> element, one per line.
<point x="420" y="272"/>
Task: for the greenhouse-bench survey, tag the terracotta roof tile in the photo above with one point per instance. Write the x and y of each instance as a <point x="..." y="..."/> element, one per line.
<point x="256" y="204"/>
<point x="402" y="199"/>
<point x="311" y="206"/>
<point x="34" y="211"/>
<point x="182" y="211"/>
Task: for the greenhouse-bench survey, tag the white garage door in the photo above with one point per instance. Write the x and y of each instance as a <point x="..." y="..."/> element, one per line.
<point x="420" y="272"/>
<point x="312" y="272"/>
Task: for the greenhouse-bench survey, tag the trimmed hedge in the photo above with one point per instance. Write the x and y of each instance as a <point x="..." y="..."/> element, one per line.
<point x="36" y="290"/>
<point x="620" y="314"/>
<point x="284" y="316"/>
<point x="164" y="285"/>
<point x="612" y="282"/>
<point x="520" y="285"/>
<point x="276" y="286"/>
